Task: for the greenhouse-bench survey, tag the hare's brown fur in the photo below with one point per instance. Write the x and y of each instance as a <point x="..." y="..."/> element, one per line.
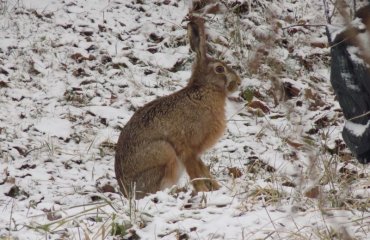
<point x="170" y="133"/>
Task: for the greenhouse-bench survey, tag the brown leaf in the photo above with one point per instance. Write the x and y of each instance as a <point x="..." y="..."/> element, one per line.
<point x="79" y="72"/>
<point x="27" y="166"/>
<point x="234" y="172"/>
<point x="52" y="216"/>
<point x="316" y="99"/>
<point x="107" y="188"/>
<point x="313" y="192"/>
<point x="255" y="165"/>
<point x="318" y="44"/>
<point x="290" y="90"/>
<point x="3" y="71"/>
<point x="21" y="151"/>
<point x="15" y="192"/>
<point x="78" y="57"/>
<point x="322" y="122"/>
<point x="289" y="184"/>
<point x="347" y="173"/>
<point x="293" y="144"/>
<point x="259" y="105"/>
<point x="155" y="38"/>
<point x="3" y="84"/>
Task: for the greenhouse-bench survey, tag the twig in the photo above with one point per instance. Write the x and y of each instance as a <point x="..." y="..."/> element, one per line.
<point x="10" y="220"/>
<point x="360" y="116"/>
<point x="29" y="151"/>
<point x="305" y="25"/>
<point x="268" y="235"/>
<point x="273" y="224"/>
<point x="328" y="20"/>
<point x="354" y="6"/>
<point x="327" y="12"/>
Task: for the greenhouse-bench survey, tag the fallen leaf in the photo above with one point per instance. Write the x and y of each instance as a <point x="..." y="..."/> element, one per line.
<point x="313" y="192"/>
<point x="293" y="144"/>
<point x="234" y="172"/>
<point x="259" y="105"/>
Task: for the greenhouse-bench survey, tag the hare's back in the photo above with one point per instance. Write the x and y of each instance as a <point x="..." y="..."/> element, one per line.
<point x="191" y="116"/>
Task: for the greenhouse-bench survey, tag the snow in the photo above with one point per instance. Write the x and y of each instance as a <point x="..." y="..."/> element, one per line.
<point x="355" y="128"/>
<point x="354" y="51"/>
<point x="55" y="127"/>
<point x="61" y="118"/>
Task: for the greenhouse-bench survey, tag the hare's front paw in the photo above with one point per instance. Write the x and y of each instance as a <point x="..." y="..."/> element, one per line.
<point x="206" y="185"/>
<point x="200" y="186"/>
<point x="214" y="185"/>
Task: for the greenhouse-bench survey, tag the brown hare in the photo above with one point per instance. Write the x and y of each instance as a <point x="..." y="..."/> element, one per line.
<point x="170" y="133"/>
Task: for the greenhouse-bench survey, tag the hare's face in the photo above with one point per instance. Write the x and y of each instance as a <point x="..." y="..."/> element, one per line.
<point x="223" y="76"/>
<point x="206" y="70"/>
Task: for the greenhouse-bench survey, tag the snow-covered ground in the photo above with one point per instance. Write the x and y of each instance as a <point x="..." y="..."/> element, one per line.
<point x="73" y="72"/>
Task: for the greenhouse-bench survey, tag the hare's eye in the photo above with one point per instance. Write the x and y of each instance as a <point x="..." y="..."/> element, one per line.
<point x="220" y="69"/>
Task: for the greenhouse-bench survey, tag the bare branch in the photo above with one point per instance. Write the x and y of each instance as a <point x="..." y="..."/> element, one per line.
<point x="360" y="116"/>
<point x="305" y="25"/>
<point x="327" y="12"/>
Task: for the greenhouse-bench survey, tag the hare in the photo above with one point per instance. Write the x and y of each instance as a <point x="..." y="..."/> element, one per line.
<point x="170" y="133"/>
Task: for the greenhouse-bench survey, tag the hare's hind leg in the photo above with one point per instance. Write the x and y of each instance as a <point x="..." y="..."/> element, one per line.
<point x="148" y="181"/>
<point x="197" y="170"/>
<point x="162" y="168"/>
<point x="173" y="171"/>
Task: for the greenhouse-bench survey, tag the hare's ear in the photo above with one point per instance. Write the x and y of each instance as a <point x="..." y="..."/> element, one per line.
<point x="197" y="37"/>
